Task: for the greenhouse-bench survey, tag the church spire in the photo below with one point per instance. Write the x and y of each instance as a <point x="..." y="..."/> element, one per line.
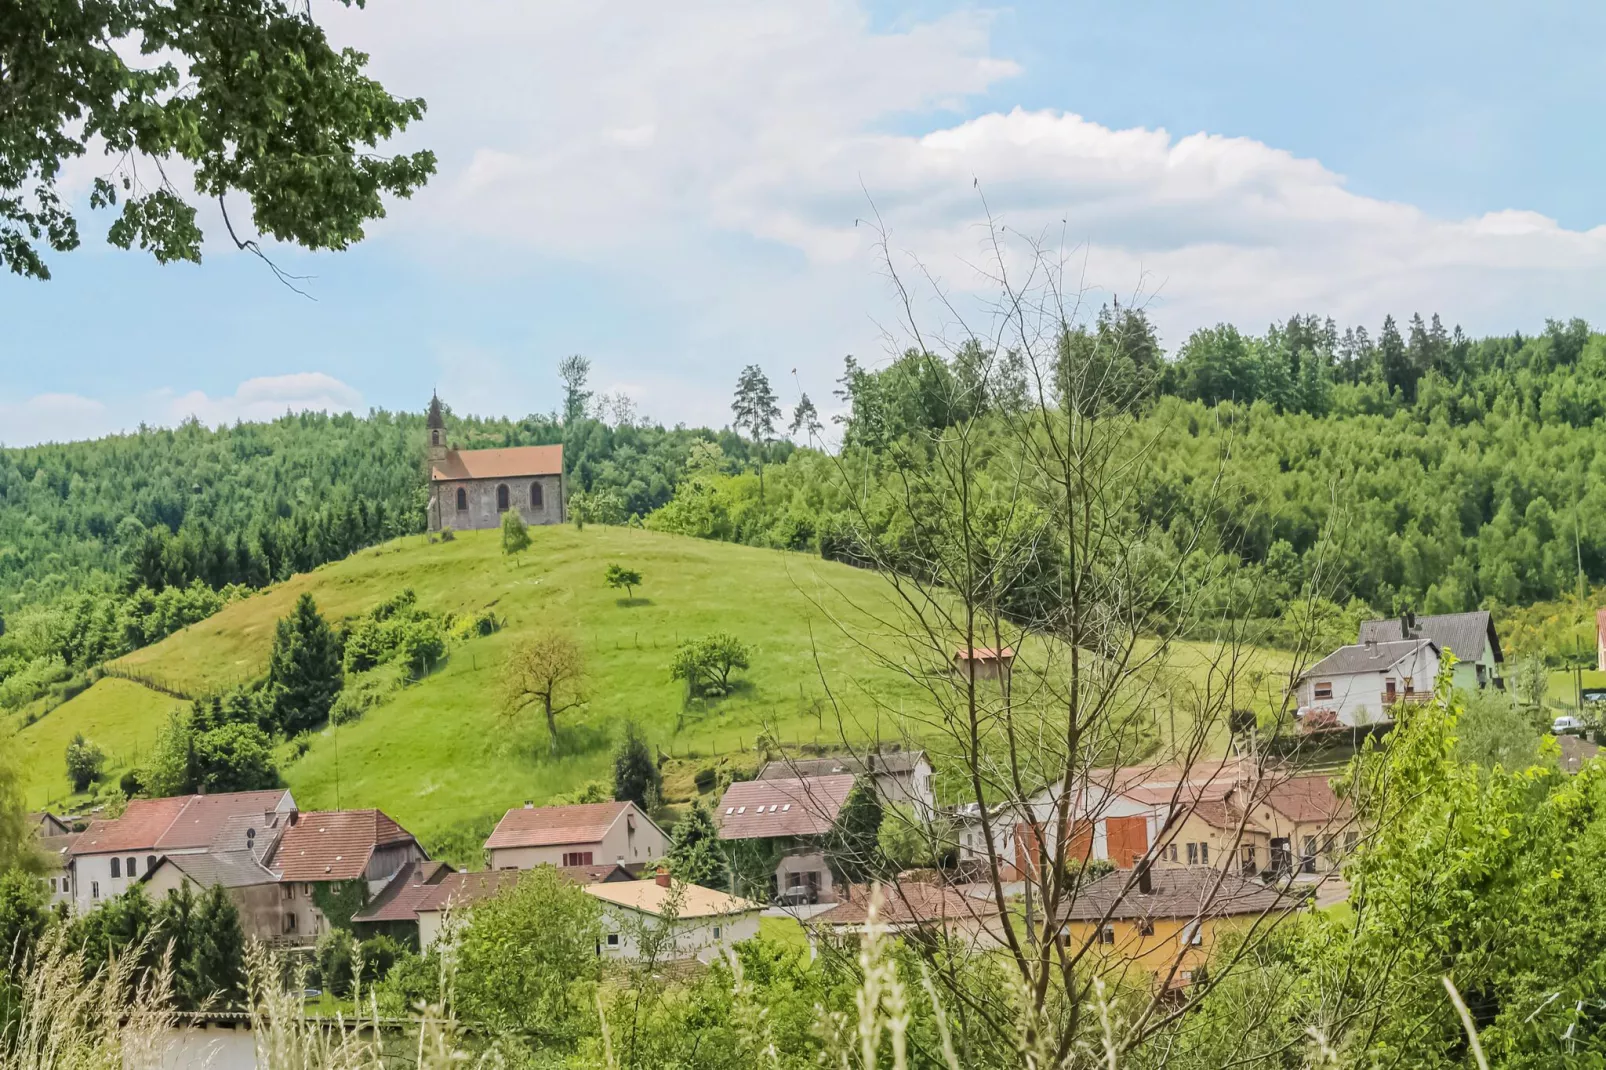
<point x="435" y="421"/>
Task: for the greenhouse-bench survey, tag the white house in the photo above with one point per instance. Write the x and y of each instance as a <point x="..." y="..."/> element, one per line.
<point x="1360" y="684"/>
<point x="585" y="834"/>
<point x="1469" y="636"/>
<point x="703" y="923"/>
<point x="111" y="855"/>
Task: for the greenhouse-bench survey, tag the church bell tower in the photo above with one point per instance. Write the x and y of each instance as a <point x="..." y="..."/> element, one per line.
<point x="437" y="431"/>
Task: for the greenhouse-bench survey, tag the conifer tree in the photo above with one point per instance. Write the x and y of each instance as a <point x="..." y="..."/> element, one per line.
<point x="635" y="774"/>
<point x="218" y="949"/>
<point x="304" y="673"/>
<point x="694" y="854"/>
<point x="855" y="840"/>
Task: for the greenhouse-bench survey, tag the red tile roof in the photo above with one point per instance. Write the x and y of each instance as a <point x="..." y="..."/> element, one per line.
<point x="174" y="823"/>
<point x="1305" y="798"/>
<point x="611" y="873"/>
<point x="458" y="890"/>
<point x="335" y="845"/>
<point x="399" y="899"/>
<point x="761" y="809"/>
<point x="552" y="826"/>
<point x="510" y="463"/>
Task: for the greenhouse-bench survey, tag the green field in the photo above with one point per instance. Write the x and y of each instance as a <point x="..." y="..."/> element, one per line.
<point x="440" y="753"/>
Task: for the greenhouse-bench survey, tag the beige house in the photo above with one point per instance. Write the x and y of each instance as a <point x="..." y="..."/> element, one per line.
<point x="1309" y="828"/>
<point x="335" y="847"/>
<point x="471" y="489"/>
<point x="795" y="815"/>
<point x="584" y="834"/>
<point x="703" y="923"/>
<point x="984" y="662"/>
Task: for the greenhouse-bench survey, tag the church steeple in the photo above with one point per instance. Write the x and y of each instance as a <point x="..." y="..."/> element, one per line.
<point x="436" y="423"/>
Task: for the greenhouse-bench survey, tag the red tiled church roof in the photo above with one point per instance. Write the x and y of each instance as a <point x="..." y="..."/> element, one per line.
<point x="510" y="463"/>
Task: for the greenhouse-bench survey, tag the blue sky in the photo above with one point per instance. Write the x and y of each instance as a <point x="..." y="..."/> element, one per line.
<point x="672" y="190"/>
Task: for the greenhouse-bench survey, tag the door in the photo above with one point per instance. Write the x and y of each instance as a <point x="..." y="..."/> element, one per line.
<point x="1282" y="856"/>
<point x="1080" y="849"/>
<point x="1126" y="839"/>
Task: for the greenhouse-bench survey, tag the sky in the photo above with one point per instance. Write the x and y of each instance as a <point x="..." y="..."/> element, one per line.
<point x="677" y="191"/>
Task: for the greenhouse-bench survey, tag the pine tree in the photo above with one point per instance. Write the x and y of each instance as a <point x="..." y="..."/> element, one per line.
<point x="218" y="949"/>
<point x="635" y="774"/>
<point x="304" y="673"/>
<point x="756" y="411"/>
<point x="694" y="854"/>
<point x="855" y="840"/>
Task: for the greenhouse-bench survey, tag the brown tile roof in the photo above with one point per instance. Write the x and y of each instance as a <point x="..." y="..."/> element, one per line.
<point x="399" y="899"/>
<point x="335" y="845"/>
<point x="1222" y="815"/>
<point x="457" y="890"/>
<point x="610" y="873"/>
<point x="553" y="826"/>
<point x="984" y="653"/>
<point x="1183" y="892"/>
<point x="510" y="463"/>
<point x="761" y="809"/>
<point x="58" y="848"/>
<point x="175" y="823"/>
<point x="1305" y="798"/>
<point x="650" y="897"/>
<point x="907" y="903"/>
<point x="889" y="762"/>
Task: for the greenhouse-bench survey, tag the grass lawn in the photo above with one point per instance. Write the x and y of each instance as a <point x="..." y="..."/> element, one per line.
<point x="122" y="717"/>
<point x="786" y="931"/>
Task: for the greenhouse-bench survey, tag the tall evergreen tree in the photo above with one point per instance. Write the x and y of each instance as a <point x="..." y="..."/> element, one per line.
<point x="694" y="854"/>
<point x="755" y="411"/>
<point x="217" y="949"/>
<point x="854" y="850"/>
<point x="304" y="673"/>
<point x="1394" y="361"/>
<point x="635" y="774"/>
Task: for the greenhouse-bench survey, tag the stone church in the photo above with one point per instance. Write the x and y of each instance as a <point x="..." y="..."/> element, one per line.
<point x="471" y="489"/>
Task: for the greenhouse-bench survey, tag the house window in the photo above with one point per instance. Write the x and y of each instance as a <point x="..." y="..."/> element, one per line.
<point x="130" y="868"/>
<point x="66" y="885"/>
<point x="150" y="863"/>
<point x="501" y="497"/>
<point x="94" y="889"/>
<point x="1351" y="838"/>
<point x="535" y="495"/>
<point x="613" y="939"/>
<point x="290" y="921"/>
<point x="52" y="886"/>
<point x="1170" y="852"/>
<point x="577" y="858"/>
<point x="1308" y="862"/>
<point x="1390" y="689"/>
<point x="287" y="891"/>
<point x="716" y="932"/>
<point x="462" y="500"/>
<point x="306" y="890"/>
<point x="1146" y="927"/>
<point x="1191" y="936"/>
<point x="1324" y="690"/>
<point x="1193" y="854"/>
<point x="1204" y="854"/>
<point x="1248" y="856"/>
<point x="1106" y="934"/>
<point x="117" y="868"/>
<point x="1408" y="687"/>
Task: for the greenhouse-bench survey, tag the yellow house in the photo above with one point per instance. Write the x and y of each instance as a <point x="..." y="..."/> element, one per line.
<point x="1215" y="834"/>
<point x="1311" y="829"/>
<point x="1168" y="919"/>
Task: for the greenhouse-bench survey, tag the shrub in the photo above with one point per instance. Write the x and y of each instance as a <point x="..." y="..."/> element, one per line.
<point x="706" y="664"/>
<point x="706" y="778"/>
<point x="515" y="534"/>
<point x="85" y="762"/>
<point x="335" y="957"/>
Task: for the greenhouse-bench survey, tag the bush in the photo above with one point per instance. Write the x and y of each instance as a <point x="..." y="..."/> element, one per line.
<point x="379" y="955"/>
<point x="335" y="957"/>
<point x="515" y="533"/>
<point x="85" y="763"/>
<point x="706" y="778"/>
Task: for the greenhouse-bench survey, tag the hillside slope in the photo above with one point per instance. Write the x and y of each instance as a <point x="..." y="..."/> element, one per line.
<point x="439" y="751"/>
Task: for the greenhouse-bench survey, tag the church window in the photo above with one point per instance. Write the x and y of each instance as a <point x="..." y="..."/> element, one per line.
<point x="462" y="500"/>
<point x="535" y="495"/>
<point x="501" y="498"/>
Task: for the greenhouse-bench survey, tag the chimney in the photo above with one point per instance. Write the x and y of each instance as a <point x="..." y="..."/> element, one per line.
<point x="1371" y="646"/>
<point x="662" y="876"/>
<point x="529" y="804"/>
<point x="1407" y="624"/>
<point x="1145" y="879"/>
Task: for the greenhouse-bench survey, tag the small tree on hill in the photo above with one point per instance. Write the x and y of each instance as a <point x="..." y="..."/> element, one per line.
<point x="546" y="670"/>
<point x="304" y="673"/>
<point x="515" y="533"/>
<point x="706" y="664"/>
<point x="85" y="762"/>
<point x="618" y="576"/>
<point x="635" y="774"/>
<point x="694" y="854"/>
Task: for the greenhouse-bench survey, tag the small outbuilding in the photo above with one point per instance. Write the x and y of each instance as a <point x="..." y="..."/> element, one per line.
<point x="984" y="662"/>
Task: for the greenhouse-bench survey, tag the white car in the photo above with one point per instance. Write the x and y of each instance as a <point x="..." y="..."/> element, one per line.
<point x="1566" y="726"/>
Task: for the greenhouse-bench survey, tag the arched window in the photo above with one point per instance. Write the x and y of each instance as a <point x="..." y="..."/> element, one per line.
<point x="535" y="495"/>
<point x="462" y="500"/>
<point x="117" y="867"/>
<point x="150" y="863"/>
<point x="501" y="498"/>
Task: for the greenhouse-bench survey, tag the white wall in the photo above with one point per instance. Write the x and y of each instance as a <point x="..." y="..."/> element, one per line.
<point x="619" y="844"/>
<point x="92" y="870"/>
<point x="1358" y="697"/>
<point x="694" y="937"/>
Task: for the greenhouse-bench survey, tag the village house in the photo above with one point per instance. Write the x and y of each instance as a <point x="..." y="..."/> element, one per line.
<point x="899" y="777"/>
<point x="328" y="849"/>
<point x="1469" y="636"/>
<point x="394" y="911"/>
<point x="702" y="923"/>
<point x="1160" y="918"/>
<point x="1360" y="685"/>
<point x="1310" y="829"/>
<point x="794" y="817"/>
<point x="112" y="854"/>
<point x="910" y="908"/>
<point x="471" y="489"/>
<point x="583" y="834"/>
<point x="984" y="663"/>
<point x="55" y="839"/>
<point x="455" y="894"/>
<point x="45" y="824"/>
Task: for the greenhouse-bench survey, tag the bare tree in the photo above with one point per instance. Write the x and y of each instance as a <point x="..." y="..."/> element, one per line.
<point x="548" y="669"/>
<point x="1026" y="543"/>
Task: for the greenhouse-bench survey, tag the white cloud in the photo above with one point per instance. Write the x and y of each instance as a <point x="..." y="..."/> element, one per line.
<point x="69" y="417"/>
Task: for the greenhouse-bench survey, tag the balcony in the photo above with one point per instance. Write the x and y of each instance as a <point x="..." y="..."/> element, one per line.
<point x="1410" y="698"/>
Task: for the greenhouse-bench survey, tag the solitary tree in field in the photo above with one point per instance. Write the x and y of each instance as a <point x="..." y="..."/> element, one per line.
<point x="85" y="762"/>
<point x="547" y="670"/>
<point x="304" y="672"/>
<point x="515" y="533"/>
<point x="618" y="576"/>
<point x="756" y="412"/>
<point x="706" y="664"/>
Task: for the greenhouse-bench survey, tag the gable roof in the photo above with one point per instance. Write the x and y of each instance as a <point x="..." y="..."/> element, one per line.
<point x="555" y="826"/>
<point x="1189" y="892"/>
<point x="907" y="903"/>
<point x="650" y="897"/>
<point x="46" y="823"/>
<point x="231" y="869"/>
<point x="58" y="849"/>
<point x="761" y="809"/>
<point x="510" y="463"/>
<point x="879" y="762"/>
<point x="612" y="873"/>
<point x="458" y="890"/>
<point x="398" y="900"/>
<point x="335" y="845"/>
<point x="1305" y="798"/>
<point x="1464" y="633"/>
<point x="176" y="823"/>
<point x="1359" y="658"/>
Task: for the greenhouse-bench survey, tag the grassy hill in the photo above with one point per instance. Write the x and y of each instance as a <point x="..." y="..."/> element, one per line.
<point x="439" y="753"/>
